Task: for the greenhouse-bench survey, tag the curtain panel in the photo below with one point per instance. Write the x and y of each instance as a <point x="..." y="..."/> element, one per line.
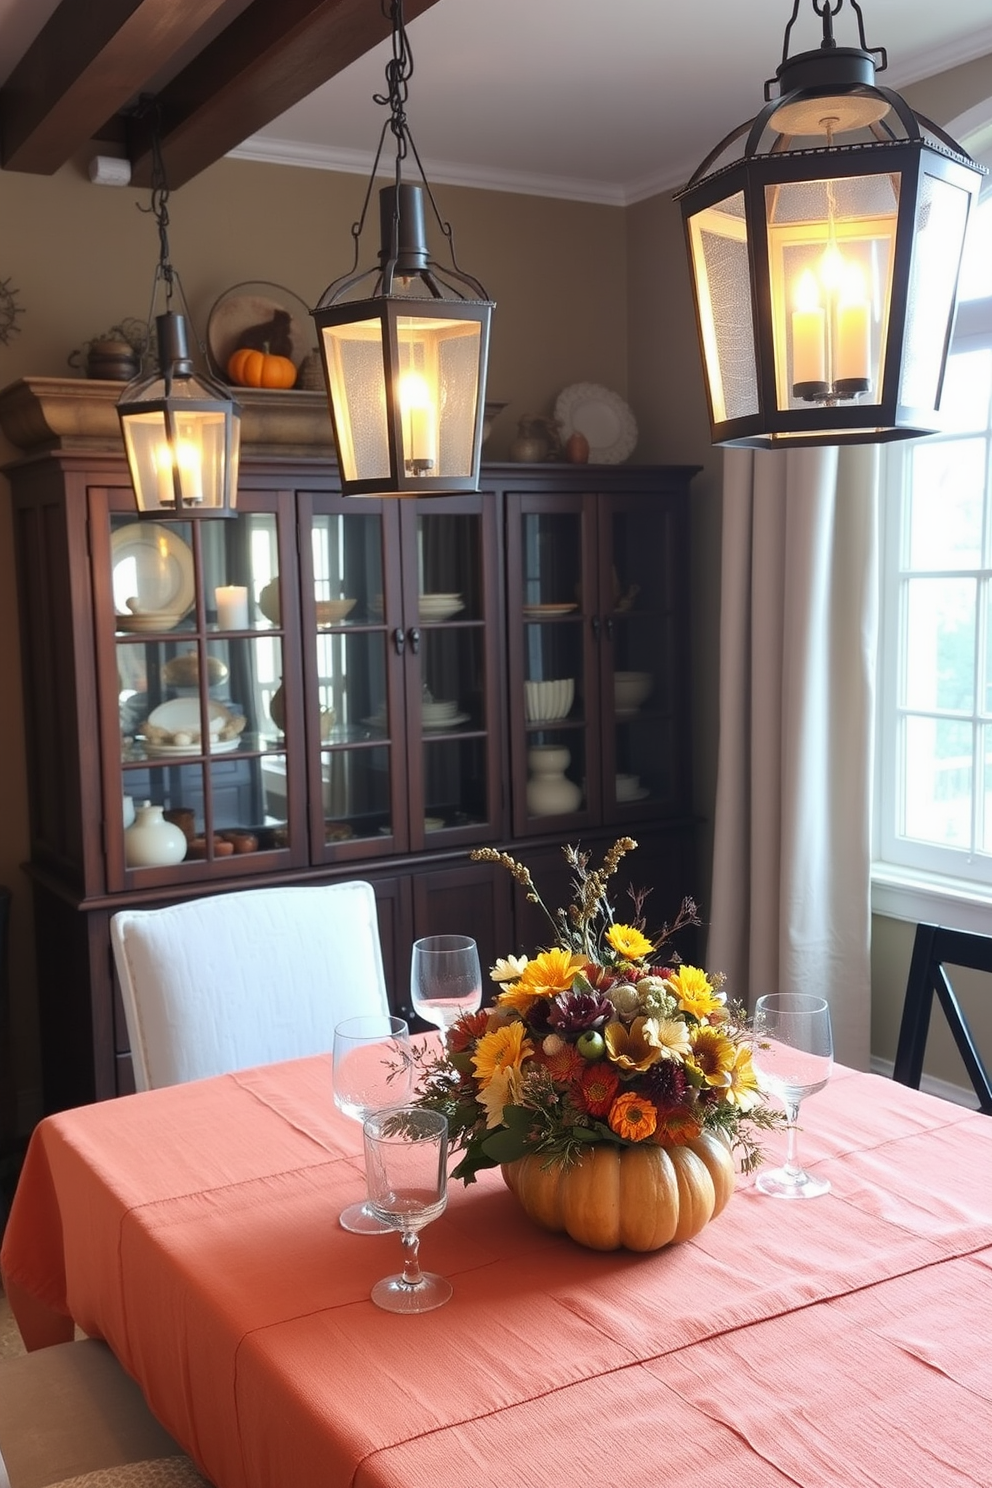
<point x="791" y="895"/>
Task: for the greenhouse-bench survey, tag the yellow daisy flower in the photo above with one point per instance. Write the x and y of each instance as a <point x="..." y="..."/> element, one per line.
<point x="695" y="992"/>
<point x="714" y="1055"/>
<point x="503" y="1049"/>
<point x="502" y="1090"/>
<point x="550" y="972"/>
<point x="628" y="942"/>
<point x="743" y="1090"/>
<point x="508" y="968"/>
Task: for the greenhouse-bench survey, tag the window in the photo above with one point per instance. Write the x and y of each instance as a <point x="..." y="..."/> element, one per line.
<point x="934" y="777"/>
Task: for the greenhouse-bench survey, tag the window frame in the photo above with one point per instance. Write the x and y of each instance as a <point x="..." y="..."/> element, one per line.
<point x="914" y="880"/>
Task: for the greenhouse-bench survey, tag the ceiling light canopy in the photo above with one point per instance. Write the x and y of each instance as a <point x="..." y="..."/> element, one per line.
<point x="825" y="260"/>
<point x="182" y="430"/>
<point x="405" y="367"/>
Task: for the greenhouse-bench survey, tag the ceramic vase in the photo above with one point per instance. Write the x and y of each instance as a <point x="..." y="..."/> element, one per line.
<point x="151" y="841"/>
<point x="549" y="791"/>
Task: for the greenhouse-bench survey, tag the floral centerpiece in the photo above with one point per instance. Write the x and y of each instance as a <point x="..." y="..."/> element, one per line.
<point x="597" y="1047"/>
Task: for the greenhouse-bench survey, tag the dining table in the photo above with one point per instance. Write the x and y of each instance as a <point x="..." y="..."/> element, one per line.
<point x="824" y="1343"/>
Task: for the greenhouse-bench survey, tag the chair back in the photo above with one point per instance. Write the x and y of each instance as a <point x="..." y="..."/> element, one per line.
<point x="934" y="949"/>
<point x="248" y="978"/>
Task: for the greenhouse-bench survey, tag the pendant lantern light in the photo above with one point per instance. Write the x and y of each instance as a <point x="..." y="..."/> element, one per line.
<point x="405" y="366"/>
<point x="182" y="430"/>
<point x="825" y="259"/>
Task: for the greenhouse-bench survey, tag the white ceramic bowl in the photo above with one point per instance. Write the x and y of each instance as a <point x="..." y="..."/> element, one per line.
<point x="628" y="787"/>
<point x="330" y="611"/>
<point x="631" y="688"/>
<point x="546" y="701"/>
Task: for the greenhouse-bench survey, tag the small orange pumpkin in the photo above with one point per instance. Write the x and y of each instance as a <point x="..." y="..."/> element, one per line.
<point x="262" y="369"/>
<point x="640" y="1198"/>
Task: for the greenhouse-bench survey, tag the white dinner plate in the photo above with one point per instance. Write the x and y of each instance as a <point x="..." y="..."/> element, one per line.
<point x="634" y="795"/>
<point x="536" y="611"/>
<point x="152" y="564"/>
<point x="438" y="725"/>
<point x="169" y="751"/>
<point x="603" y="417"/>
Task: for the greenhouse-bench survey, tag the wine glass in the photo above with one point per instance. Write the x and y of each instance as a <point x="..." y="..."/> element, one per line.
<point x="445" y="978"/>
<point x="406" y="1154"/>
<point x="372" y="1071"/>
<point x="793" y="1055"/>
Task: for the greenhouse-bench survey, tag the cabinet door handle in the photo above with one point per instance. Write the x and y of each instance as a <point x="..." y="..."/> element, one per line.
<point x="414" y="637"/>
<point x="609" y="630"/>
<point x="399" y="640"/>
<point x="595" y="627"/>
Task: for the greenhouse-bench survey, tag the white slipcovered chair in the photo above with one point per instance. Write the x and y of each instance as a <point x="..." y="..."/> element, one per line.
<point x="247" y="978"/>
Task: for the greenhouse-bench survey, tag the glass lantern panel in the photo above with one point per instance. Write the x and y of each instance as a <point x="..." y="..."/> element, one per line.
<point x="941" y="220"/>
<point x="831" y="248"/>
<point x="179" y="450"/>
<point x="438" y="392"/>
<point x="718" y="239"/>
<point x="355" y="369"/>
<point x="347" y="568"/>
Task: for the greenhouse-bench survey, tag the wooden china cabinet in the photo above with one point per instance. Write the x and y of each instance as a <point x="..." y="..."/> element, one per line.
<point x="323" y="688"/>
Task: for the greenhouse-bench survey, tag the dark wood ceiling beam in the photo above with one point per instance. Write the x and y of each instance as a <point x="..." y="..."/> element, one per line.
<point x="89" y="60"/>
<point x="269" y="58"/>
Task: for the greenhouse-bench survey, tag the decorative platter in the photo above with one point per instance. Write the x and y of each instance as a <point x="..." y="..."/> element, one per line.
<point x="170" y="751"/>
<point x="602" y="416"/>
<point x="257" y="313"/>
<point x="154" y="566"/>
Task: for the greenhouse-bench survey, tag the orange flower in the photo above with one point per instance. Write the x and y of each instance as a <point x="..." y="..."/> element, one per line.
<point x="550" y="972"/>
<point x="675" y="1128"/>
<point x="564" y="1065"/>
<point x="633" y="1117"/>
<point x="463" y="1034"/>
<point x="598" y="1087"/>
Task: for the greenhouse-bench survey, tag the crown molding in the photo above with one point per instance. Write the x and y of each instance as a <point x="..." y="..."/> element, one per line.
<point x="270" y="151"/>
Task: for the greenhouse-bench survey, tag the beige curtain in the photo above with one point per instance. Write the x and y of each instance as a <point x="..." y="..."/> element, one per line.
<point x="791" y="879"/>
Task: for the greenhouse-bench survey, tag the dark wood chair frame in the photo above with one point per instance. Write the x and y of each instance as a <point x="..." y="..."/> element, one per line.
<point x="933" y="948"/>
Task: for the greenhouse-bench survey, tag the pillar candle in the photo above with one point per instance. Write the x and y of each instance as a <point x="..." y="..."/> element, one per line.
<point x="809" y="333"/>
<point x="853" y="357"/>
<point x="232" y="607"/>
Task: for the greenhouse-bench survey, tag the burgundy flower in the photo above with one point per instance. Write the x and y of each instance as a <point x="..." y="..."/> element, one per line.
<point x="665" y="1083"/>
<point x="575" y="1012"/>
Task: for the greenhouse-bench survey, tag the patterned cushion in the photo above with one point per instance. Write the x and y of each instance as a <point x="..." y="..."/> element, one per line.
<point x="159" y="1472"/>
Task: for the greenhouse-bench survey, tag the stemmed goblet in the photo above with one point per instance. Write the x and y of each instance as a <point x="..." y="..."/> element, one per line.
<point x="793" y="1057"/>
<point x="445" y="978"/>
<point x="406" y="1153"/>
<point x="372" y="1071"/>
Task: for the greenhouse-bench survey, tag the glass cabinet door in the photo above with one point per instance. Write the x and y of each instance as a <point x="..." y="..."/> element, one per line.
<point x="454" y="787"/>
<point x="554" y="679"/>
<point x="354" y="712"/>
<point x="643" y="675"/>
<point x="199" y="703"/>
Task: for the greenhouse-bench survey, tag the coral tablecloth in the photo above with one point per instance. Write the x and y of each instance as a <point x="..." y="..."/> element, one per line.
<point x="842" y="1341"/>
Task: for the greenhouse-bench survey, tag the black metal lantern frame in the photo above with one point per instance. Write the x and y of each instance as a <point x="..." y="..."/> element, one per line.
<point x="405" y="366"/>
<point x="825" y="265"/>
<point x="181" y="429"/>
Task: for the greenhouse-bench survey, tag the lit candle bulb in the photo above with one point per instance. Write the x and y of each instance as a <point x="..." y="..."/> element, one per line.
<point x="417" y="407"/>
<point x="809" y="333"/>
<point x="852" y="358"/>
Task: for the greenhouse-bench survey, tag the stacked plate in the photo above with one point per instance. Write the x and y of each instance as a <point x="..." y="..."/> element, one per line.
<point x="437" y="607"/>
<point x="629" y="788"/>
<point x="441" y="714"/>
<point x="546" y="701"/>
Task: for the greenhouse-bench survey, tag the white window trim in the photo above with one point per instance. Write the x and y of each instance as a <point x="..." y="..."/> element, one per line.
<point x="900" y="891"/>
